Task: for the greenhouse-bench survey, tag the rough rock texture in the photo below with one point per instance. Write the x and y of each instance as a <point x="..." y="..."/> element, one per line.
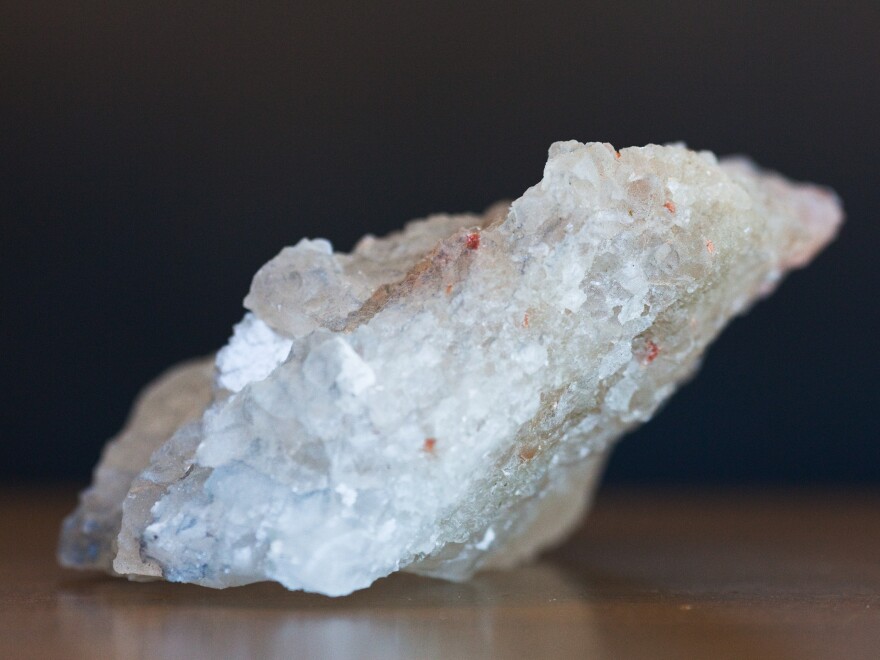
<point x="442" y="400"/>
<point x="178" y="397"/>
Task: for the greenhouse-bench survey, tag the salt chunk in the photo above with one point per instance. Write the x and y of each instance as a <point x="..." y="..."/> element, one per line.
<point x="442" y="399"/>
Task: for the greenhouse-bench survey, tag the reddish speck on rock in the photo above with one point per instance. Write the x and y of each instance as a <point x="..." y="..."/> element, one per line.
<point x="526" y="320"/>
<point x="617" y="154"/>
<point x="473" y="241"/>
<point x="670" y="206"/>
<point x="651" y="352"/>
<point x="710" y="246"/>
<point x="527" y="453"/>
<point x="429" y="445"/>
<point x="448" y="289"/>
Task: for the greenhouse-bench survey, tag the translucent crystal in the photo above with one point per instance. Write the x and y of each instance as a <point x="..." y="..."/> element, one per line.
<point x="442" y="400"/>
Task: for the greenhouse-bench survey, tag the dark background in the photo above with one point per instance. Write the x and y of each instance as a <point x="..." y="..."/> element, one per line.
<point x="155" y="154"/>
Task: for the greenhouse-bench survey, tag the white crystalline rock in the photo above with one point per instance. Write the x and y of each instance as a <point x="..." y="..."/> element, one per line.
<point x="442" y="400"/>
<point x="253" y="352"/>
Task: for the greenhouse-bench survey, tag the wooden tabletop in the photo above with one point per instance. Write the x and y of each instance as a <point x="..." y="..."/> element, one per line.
<point x="654" y="573"/>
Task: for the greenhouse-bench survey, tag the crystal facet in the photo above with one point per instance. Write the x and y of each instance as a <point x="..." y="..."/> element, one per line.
<point x="442" y="400"/>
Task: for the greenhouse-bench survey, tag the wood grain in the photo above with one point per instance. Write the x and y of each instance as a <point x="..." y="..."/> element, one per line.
<point x="652" y="574"/>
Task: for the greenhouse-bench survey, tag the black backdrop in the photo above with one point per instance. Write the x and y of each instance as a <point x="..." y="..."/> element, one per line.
<point x="155" y="154"/>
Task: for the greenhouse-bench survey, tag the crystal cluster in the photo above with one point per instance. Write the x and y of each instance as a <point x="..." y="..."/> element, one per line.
<point x="442" y="400"/>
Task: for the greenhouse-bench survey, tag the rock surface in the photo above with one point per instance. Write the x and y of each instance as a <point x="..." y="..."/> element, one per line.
<point x="442" y="400"/>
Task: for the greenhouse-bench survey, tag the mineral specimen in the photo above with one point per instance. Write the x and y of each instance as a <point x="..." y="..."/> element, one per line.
<point x="442" y="400"/>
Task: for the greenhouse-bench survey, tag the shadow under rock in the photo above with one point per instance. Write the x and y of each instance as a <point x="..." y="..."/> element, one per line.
<point x="502" y="614"/>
